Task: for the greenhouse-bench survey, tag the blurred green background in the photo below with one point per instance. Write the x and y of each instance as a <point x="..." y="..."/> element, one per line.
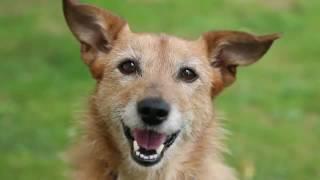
<point x="272" y="110"/>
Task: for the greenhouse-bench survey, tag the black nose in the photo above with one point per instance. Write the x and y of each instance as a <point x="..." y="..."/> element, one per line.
<point x="153" y="111"/>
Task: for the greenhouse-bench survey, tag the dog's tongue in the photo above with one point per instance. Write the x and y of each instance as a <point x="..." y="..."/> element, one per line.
<point x="147" y="139"/>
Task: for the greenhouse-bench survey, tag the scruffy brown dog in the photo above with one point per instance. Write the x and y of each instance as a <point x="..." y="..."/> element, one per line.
<point x="151" y="115"/>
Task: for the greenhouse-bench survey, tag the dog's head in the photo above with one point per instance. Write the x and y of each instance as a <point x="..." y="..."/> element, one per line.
<point x="155" y="91"/>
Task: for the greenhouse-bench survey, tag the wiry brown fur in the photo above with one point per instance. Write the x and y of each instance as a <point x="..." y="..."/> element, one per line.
<point x="106" y="39"/>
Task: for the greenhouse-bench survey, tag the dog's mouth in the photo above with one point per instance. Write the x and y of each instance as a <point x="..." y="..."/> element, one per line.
<point x="147" y="146"/>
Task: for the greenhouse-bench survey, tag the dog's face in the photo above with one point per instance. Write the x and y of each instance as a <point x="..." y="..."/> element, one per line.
<point x="155" y="91"/>
<point x="147" y="84"/>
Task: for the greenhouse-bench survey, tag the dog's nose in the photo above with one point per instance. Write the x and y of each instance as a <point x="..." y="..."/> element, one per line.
<point x="153" y="111"/>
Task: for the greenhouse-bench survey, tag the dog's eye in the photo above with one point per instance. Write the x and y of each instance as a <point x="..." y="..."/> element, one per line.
<point x="188" y="75"/>
<point x="128" y="67"/>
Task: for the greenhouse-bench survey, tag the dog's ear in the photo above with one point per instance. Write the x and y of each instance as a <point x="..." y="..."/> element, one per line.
<point x="95" y="28"/>
<point x="229" y="49"/>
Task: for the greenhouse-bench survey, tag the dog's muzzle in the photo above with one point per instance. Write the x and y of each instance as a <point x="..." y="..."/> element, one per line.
<point x="148" y="146"/>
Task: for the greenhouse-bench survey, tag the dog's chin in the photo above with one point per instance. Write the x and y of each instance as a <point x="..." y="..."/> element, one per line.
<point x="148" y="147"/>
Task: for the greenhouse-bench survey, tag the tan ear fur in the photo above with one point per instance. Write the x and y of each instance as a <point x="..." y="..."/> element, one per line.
<point x="229" y="49"/>
<point x="96" y="29"/>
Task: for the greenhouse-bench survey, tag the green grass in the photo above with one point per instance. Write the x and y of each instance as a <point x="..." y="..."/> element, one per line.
<point x="272" y="110"/>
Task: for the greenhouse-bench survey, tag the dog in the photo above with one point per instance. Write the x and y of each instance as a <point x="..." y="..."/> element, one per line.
<point x="151" y="115"/>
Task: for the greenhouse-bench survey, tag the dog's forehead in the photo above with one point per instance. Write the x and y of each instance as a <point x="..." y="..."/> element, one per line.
<point x="163" y="47"/>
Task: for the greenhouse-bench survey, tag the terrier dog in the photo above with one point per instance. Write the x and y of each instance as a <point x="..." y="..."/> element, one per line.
<point x="151" y="114"/>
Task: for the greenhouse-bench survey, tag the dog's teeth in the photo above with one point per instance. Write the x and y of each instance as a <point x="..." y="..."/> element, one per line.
<point x="159" y="150"/>
<point x="145" y="157"/>
<point x="142" y="156"/>
<point x="135" y="146"/>
<point x="137" y="153"/>
<point x="154" y="156"/>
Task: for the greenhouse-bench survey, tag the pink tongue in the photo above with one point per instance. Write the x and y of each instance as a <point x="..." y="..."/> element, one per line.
<point x="147" y="139"/>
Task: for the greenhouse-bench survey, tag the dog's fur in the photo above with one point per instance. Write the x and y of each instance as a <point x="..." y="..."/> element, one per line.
<point x="106" y="39"/>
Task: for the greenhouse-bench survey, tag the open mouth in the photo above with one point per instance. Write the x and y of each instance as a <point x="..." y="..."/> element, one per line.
<point x="147" y="146"/>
